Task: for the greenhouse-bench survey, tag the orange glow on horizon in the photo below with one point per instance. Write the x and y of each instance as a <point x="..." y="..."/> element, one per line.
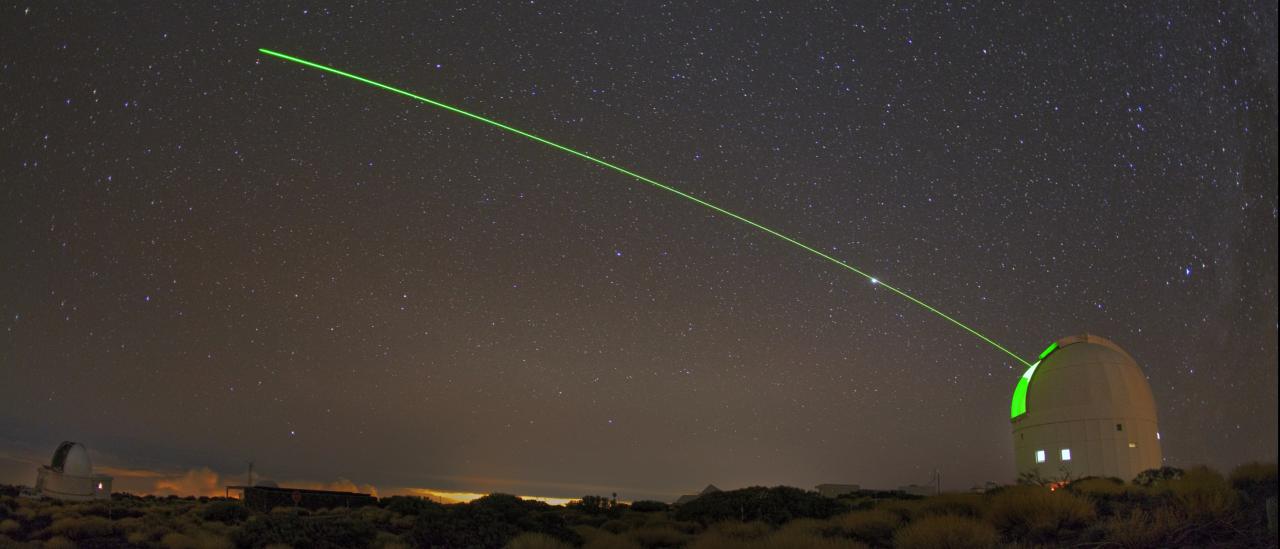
<point x="443" y="496"/>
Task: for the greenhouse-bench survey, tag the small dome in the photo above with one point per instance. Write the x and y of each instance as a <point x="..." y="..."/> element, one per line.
<point x="71" y="458"/>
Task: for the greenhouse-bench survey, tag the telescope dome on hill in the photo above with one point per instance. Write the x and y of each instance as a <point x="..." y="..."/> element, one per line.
<point x="1084" y="409"/>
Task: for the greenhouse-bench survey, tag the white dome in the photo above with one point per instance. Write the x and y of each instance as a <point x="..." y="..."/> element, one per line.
<point x="1085" y="409"/>
<point x="71" y="458"/>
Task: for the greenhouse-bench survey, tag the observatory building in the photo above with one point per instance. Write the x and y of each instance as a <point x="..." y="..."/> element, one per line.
<point x="1084" y="409"/>
<point x="70" y="476"/>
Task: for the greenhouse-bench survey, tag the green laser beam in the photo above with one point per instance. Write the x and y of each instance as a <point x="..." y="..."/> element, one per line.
<point x="644" y="179"/>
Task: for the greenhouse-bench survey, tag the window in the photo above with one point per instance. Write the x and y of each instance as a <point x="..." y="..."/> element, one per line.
<point x="1039" y="456"/>
<point x="1119" y="427"/>
<point x="99" y="486"/>
<point x="1133" y="445"/>
<point x="1157" y="435"/>
<point x="1066" y="454"/>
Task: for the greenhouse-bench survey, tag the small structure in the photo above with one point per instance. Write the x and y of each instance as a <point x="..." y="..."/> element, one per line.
<point x="710" y="489"/>
<point x="1084" y="409"/>
<point x="69" y="476"/>
<point x="264" y="497"/>
<point x="919" y="490"/>
<point x="836" y="490"/>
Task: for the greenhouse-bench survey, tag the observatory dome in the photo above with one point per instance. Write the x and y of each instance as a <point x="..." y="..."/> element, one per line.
<point x="1085" y="409"/>
<point x="71" y="458"/>
<point x="69" y="475"/>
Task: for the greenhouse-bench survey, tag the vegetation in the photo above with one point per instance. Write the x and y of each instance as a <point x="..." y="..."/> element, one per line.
<point x="1196" y="507"/>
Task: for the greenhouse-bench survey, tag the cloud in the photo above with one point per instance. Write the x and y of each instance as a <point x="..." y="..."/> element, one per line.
<point x="121" y="472"/>
<point x="195" y="482"/>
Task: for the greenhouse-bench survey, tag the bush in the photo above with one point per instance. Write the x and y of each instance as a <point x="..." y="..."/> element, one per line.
<point x="1155" y="477"/>
<point x="1037" y="515"/>
<point x="772" y="505"/>
<point x="1257" y="480"/>
<point x="649" y="506"/>
<point x="84" y="528"/>
<point x="663" y="535"/>
<point x="805" y="533"/>
<point x="599" y="539"/>
<point x="946" y="532"/>
<point x="227" y="511"/>
<point x="1141" y="529"/>
<point x="534" y="540"/>
<point x="615" y="526"/>
<point x="1097" y="486"/>
<point x="201" y="540"/>
<point x="875" y="527"/>
<point x="960" y="505"/>
<point x="299" y="531"/>
<point x="409" y="506"/>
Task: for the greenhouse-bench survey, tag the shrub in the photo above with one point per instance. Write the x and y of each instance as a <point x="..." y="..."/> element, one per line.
<point x="961" y="505"/>
<point x="387" y="540"/>
<point x="1155" y="477"/>
<point x="615" y="526"/>
<point x="874" y="527"/>
<point x="649" y="506"/>
<point x="1141" y="529"/>
<point x="772" y="505"/>
<point x="805" y="533"/>
<point x="9" y="527"/>
<point x="407" y="505"/>
<point x="534" y="540"/>
<point x="663" y="535"/>
<point x="298" y="531"/>
<point x="82" y="528"/>
<point x="741" y="531"/>
<point x="946" y="532"/>
<point x="201" y="540"/>
<point x="1035" y="514"/>
<point x="599" y="539"/>
<point x="59" y="542"/>
<point x="227" y="511"/>
<point x="906" y="510"/>
<point x="1097" y="486"/>
<point x="1256" y="480"/>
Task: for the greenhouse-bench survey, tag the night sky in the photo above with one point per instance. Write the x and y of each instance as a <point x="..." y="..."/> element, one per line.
<point x="210" y="256"/>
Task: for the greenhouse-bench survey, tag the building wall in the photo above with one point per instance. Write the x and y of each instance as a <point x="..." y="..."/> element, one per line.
<point x="57" y="485"/>
<point x="265" y="499"/>
<point x="1097" y="448"/>
<point x="836" y="490"/>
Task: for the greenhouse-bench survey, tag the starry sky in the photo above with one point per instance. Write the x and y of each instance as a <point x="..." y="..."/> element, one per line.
<point x="210" y="256"/>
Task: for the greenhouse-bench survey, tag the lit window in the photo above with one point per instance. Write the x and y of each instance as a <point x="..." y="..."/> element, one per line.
<point x="1157" y="435"/>
<point x="1133" y="445"/>
<point x="99" y="486"/>
<point x="1066" y="454"/>
<point x="1039" y="456"/>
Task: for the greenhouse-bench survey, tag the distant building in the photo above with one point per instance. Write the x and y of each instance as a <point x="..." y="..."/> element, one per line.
<point x="836" y="490"/>
<point x="69" y="476"/>
<point x="918" y="490"/>
<point x="1084" y="409"/>
<point x="266" y="496"/>
<point x="983" y="488"/>
<point x="710" y="489"/>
